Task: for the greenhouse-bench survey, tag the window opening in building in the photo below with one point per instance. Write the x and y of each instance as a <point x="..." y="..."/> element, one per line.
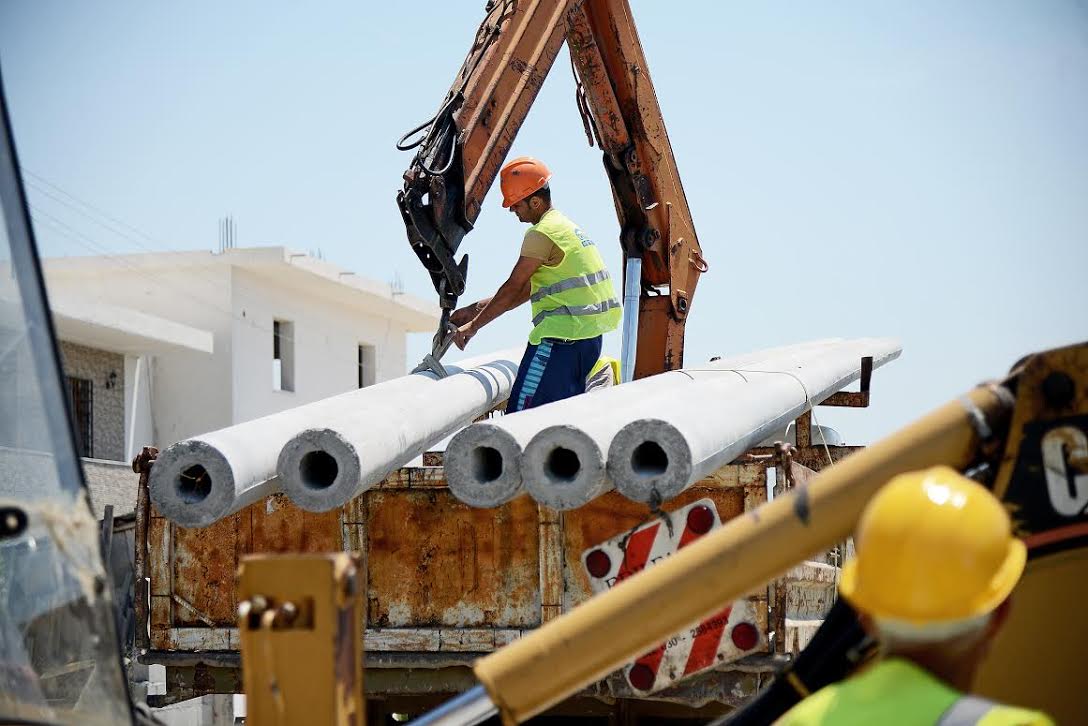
<point x="367" y="365"/>
<point x="81" y="397"/>
<point x="283" y="355"/>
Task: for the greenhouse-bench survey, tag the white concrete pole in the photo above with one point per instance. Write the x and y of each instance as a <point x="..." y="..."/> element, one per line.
<point x="198" y="481"/>
<point x="322" y="468"/>
<point x="569" y="440"/>
<point x="701" y="427"/>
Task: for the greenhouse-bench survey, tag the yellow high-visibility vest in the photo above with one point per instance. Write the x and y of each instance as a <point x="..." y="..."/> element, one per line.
<point x="896" y="691"/>
<point x="575" y="299"/>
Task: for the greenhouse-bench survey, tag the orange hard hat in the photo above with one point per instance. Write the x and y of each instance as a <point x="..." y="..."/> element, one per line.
<point x="521" y="177"/>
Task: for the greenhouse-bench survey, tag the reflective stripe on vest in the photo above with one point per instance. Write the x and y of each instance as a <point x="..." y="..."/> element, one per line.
<point x="966" y="711"/>
<point x="569" y="284"/>
<point x="601" y="307"/>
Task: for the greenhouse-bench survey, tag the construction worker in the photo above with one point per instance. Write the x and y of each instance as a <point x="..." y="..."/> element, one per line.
<point x="937" y="562"/>
<point x="561" y="273"/>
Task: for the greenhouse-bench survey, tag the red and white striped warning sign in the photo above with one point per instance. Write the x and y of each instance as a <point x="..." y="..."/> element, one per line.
<point x="723" y="637"/>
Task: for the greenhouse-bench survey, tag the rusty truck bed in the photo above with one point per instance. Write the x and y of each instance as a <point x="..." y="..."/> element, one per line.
<point x="447" y="582"/>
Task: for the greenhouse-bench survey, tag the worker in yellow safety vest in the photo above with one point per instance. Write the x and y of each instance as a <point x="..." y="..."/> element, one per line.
<point x="561" y="273"/>
<point x="937" y="562"/>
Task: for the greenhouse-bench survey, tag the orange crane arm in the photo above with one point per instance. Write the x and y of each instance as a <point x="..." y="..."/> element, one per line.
<point x="460" y="149"/>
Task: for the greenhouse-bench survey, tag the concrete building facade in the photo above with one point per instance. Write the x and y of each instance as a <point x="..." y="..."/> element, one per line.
<point x="162" y="346"/>
<point x="97" y="376"/>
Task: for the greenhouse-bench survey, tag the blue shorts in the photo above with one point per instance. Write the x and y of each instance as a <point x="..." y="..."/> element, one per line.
<point x="552" y="371"/>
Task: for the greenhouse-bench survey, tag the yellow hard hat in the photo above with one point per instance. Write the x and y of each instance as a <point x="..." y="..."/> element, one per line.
<point x="933" y="546"/>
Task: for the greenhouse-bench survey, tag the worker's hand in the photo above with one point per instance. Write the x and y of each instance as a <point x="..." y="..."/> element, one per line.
<point x="464" y="335"/>
<point x="465" y="314"/>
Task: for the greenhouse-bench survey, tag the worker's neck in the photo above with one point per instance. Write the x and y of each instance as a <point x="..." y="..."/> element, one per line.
<point x="956" y="669"/>
<point x="535" y="216"/>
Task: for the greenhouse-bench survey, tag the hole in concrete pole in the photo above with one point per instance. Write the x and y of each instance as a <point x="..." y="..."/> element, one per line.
<point x="194" y="484"/>
<point x="486" y="464"/>
<point x="318" y="470"/>
<point x="649" y="459"/>
<point x="562" y="464"/>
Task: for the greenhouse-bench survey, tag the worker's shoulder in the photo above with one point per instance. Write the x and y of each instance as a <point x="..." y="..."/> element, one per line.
<point x="1002" y="715"/>
<point x="537" y="245"/>
<point x="534" y="235"/>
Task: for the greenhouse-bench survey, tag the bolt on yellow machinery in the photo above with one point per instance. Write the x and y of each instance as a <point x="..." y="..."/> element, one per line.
<point x="300" y="620"/>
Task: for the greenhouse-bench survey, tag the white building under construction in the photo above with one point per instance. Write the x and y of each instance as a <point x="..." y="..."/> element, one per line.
<point x="161" y="346"/>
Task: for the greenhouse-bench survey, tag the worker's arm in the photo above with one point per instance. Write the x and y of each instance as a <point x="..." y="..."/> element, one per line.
<point x="510" y="295"/>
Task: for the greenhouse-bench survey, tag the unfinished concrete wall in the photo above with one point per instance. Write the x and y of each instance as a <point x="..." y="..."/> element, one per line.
<point x="106" y="371"/>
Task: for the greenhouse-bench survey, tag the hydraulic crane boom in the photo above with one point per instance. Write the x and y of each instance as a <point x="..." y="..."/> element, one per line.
<point x="460" y="150"/>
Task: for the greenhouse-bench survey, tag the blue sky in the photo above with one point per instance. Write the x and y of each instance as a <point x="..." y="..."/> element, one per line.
<point x="910" y="169"/>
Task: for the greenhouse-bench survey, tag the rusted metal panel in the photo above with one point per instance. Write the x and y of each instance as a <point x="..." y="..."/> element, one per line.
<point x="426" y="478"/>
<point x="803" y="427"/>
<point x="281" y="527"/>
<point x="434" y="561"/>
<point x="204" y="563"/>
<point x="754" y="496"/>
<point x="753" y="474"/>
<point x="506" y="637"/>
<point x="467" y="641"/>
<point x="451" y="640"/>
<point x="759" y="607"/>
<point x="354" y="512"/>
<point x="418" y="640"/>
<point x="727" y="476"/>
<point x="613" y="514"/>
<point x="201" y="638"/>
<point x="354" y="537"/>
<point x="159" y="555"/>
<point x="160" y="611"/>
<point x="161" y="614"/>
<point x="551" y="563"/>
<point x="414" y="477"/>
<point x="813" y="457"/>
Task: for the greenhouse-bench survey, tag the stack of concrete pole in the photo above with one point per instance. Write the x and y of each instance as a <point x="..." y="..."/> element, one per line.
<point x="652" y="438"/>
<point x="370" y="431"/>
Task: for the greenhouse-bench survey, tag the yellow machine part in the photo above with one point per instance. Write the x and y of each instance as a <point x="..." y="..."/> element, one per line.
<point x="1037" y="659"/>
<point x="300" y="621"/>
